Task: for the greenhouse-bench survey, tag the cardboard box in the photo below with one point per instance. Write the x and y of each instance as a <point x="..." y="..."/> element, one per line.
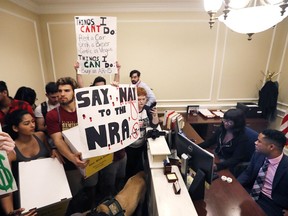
<point x="43" y="185"/>
<point x="72" y="138"/>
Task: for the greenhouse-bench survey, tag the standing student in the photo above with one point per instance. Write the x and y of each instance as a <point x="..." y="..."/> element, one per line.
<point x="7" y="144"/>
<point x="62" y="118"/>
<point x="135" y="152"/>
<point x="8" y="104"/>
<point x="26" y="94"/>
<point x="43" y="108"/>
<point x="266" y="178"/>
<point x="29" y="145"/>
<point x="112" y="177"/>
<point x="135" y="79"/>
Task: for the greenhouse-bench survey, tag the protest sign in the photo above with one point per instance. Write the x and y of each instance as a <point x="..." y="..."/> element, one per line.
<point x="73" y="139"/>
<point x="96" y="44"/>
<point x="43" y="185"/>
<point x="7" y="181"/>
<point x="107" y="119"/>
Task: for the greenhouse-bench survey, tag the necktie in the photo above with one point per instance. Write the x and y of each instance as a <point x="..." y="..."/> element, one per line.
<point x="259" y="182"/>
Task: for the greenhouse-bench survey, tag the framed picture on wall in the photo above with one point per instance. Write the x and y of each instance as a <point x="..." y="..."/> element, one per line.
<point x="192" y="109"/>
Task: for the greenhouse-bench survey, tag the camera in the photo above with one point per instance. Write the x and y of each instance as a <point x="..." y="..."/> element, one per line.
<point x="155" y="133"/>
<point x="152" y="105"/>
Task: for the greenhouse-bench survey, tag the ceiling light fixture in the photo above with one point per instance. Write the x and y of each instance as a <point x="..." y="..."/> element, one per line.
<point x="247" y="16"/>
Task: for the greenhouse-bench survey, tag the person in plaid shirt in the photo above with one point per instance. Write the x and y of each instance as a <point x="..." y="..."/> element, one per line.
<point x="8" y="104"/>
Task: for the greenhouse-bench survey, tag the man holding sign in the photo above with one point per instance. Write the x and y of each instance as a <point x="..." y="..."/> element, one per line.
<point x="62" y="118"/>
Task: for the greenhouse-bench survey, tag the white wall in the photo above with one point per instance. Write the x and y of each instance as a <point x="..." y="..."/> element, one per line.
<point x="179" y="56"/>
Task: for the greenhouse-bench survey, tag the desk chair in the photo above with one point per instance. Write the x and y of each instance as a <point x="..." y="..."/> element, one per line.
<point x="252" y="137"/>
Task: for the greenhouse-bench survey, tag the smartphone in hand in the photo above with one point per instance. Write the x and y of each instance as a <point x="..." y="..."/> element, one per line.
<point x="152" y="105"/>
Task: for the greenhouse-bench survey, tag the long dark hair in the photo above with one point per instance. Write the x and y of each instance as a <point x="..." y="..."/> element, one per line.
<point x="13" y="119"/>
<point x="26" y="94"/>
<point x="238" y="117"/>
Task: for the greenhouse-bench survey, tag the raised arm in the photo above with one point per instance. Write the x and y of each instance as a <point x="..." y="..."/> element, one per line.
<point x="117" y="76"/>
<point x="79" y="77"/>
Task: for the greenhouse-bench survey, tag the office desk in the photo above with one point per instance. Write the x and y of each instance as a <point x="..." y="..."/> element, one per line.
<point x="165" y="201"/>
<point x="205" y="127"/>
<point x="161" y="197"/>
<point x="224" y="199"/>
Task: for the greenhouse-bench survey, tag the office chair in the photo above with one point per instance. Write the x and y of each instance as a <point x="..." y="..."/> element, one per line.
<point x="252" y="137"/>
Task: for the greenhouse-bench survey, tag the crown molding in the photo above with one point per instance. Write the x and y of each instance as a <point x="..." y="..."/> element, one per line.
<point x="64" y="8"/>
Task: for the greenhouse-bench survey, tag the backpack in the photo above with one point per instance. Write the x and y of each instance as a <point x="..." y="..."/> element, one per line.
<point x="44" y="109"/>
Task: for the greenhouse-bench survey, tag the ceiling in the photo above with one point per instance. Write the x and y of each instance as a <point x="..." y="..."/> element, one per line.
<point x="76" y="6"/>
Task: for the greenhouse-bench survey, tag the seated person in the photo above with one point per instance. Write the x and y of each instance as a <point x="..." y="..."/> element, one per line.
<point x="266" y="178"/>
<point x="230" y="140"/>
<point x="8" y="104"/>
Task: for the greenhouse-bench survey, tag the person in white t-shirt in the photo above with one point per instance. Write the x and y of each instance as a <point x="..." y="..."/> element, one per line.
<point x="42" y="109"/>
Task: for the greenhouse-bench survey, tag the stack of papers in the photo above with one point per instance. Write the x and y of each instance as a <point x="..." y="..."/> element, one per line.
<point x="207" y="113"/>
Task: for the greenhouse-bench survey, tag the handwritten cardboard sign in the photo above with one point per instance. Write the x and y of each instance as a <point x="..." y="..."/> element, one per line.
<point x="7" y="181"/>
<point x="96" y="44"/>
<point x="107" y="119"/>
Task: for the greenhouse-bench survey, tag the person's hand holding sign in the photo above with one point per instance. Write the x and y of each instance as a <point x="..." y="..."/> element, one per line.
<point x="6" y="142"/>
<point x="78" y="162"/>
<point x="18" y="212"/>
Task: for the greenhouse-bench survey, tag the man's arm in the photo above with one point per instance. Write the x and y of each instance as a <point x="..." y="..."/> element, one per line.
<point x="7" y="203"/>
<point x="117" y="75"/>
<point x="40" y="122"/>
<point x="64" y="149"/>
<point x="247" y="177"/>
<point x="79" y="77"/>
<point x="150" y="95"/>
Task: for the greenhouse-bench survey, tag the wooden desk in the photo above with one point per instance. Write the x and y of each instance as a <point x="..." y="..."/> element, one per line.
<point x="222" y="198"/>
<point x="226" y="199"/>
<point x="205" y="127"/>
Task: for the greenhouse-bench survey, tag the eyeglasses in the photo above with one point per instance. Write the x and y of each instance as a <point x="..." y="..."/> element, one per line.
<point x="227" y="121"/>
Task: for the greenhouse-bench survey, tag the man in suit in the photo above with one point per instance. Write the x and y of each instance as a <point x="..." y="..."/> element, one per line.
<point x="273" y="192"/>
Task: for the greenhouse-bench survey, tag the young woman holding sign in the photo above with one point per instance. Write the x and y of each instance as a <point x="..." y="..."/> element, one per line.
<point x="29" y="145"/>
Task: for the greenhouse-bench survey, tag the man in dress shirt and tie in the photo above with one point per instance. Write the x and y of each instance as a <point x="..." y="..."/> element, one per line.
<point x="268" y="186"/>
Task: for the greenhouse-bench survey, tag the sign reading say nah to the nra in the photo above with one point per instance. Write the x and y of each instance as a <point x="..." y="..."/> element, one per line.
<point x="107" y="117"/>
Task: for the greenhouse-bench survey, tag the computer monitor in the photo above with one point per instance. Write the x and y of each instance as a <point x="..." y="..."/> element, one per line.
<point x="201" y="161"/>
